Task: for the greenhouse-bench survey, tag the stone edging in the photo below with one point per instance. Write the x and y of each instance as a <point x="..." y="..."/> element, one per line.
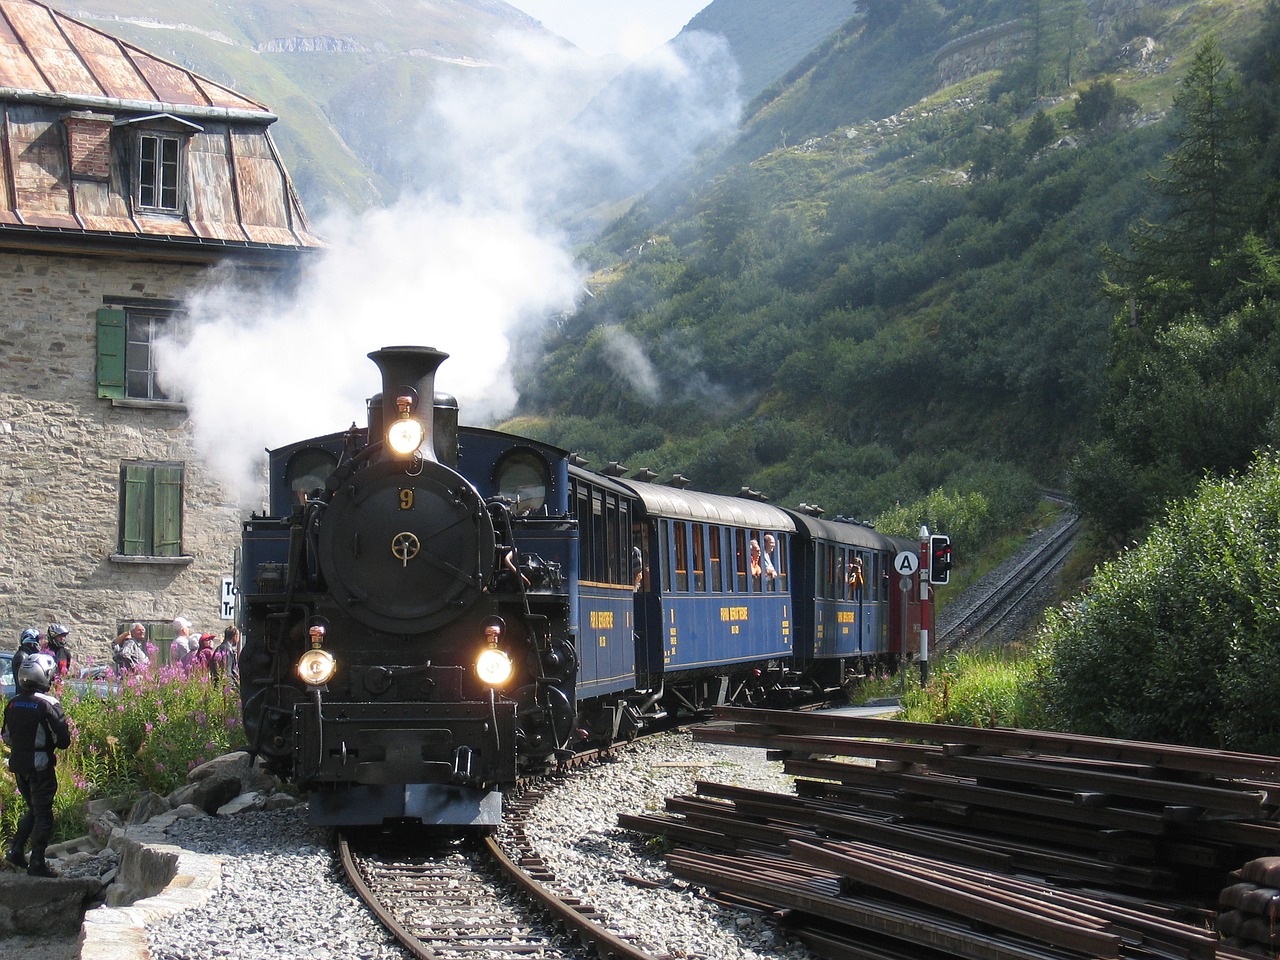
<point x="160" y="878"/>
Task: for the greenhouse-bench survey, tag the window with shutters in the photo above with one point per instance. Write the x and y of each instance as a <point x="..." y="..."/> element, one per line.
<point x="126" y="352"/>
<point x="150" y="509"/>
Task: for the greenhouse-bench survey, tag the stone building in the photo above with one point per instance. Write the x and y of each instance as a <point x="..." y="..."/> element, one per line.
<point x="124" y="181"/>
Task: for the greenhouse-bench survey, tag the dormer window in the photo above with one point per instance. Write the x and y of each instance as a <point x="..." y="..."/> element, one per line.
<point x="159" y="161"/>
<point x="158" y="166"/>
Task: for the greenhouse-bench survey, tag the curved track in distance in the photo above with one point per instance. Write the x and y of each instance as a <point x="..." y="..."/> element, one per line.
<point x="1001" y="598"/>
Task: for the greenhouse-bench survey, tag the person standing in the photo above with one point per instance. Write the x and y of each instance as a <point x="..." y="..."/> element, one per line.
<point x="28" y="644"/>
<point x="58" y="648"/>
<point x="34" y="727"/>
<point x="226" y="657"/>
<point x="127" y="651"/>
<point x="767" y="561"/>
<point x="184" y="641"/>
<point x="201" y="658"/>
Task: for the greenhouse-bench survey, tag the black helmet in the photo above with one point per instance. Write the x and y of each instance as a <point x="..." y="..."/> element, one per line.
<point x="30" y="639"/>
<point x="36" y="672"/>
<point x="57" y="634"/>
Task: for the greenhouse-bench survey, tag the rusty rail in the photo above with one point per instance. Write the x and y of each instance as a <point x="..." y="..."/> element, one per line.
<point x="922" y="840"/>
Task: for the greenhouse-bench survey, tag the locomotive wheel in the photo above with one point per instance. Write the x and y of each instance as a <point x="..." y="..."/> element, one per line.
<point x="545" y="720"/>
<point x="406" y="549"/>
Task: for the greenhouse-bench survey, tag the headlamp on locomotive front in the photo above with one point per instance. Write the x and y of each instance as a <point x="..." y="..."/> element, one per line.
<point x="316" y="667"/>
<point x="405" y="434"/>
<point x="493" y="666"/>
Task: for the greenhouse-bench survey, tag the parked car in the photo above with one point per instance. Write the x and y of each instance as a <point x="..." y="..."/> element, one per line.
<point x="96" y="681"/>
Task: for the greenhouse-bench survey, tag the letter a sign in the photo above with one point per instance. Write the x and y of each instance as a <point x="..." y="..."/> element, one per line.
<point x="906" y="563"/>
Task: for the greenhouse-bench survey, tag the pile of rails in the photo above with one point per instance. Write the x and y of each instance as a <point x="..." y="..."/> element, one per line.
<point x="931" y="841"/>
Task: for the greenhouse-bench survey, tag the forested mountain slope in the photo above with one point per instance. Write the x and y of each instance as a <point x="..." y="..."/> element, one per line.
<point x="891" y="284"/>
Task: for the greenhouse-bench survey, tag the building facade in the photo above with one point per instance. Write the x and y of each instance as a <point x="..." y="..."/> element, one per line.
<point x="124" y="181"/>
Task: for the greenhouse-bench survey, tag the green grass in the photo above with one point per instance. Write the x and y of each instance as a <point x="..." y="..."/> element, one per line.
<point x="981" y="689"/>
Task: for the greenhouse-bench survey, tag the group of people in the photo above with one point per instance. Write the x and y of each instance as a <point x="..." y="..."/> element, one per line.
<point x="762" y="564"/>
<point x="52" y="642"/>
<point x="190" y="650"/>
<point x="35" y="724"/>
<point x="196" y="652"/>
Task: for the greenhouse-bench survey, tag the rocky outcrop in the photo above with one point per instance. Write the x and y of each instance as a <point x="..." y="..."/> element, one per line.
<point x="312" y="45"/>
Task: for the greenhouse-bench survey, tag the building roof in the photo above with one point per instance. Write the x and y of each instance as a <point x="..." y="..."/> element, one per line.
<point x="72" y="99"/>
<point x="44" y="51"/>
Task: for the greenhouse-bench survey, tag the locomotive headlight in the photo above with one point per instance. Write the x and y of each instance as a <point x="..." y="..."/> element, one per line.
<point x="405" y="435"/>
<point x="316" y="667"/>
<point x="493" y="667"/>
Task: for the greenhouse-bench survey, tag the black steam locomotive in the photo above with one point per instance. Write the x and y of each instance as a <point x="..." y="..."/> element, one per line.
<point x="430" y="609"/>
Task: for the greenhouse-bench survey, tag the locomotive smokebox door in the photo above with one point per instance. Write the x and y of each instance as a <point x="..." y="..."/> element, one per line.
<point x="405" y="550"/>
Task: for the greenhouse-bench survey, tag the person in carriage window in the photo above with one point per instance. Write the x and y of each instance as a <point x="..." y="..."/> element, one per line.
<point x="767" y="562"/>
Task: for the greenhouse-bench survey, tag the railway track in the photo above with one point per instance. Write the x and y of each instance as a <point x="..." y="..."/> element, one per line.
<point x="471" y="895"/>
<point x="1000" y="602"/>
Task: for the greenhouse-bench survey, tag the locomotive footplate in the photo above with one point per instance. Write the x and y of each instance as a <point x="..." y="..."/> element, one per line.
<point x="470" y="744"/>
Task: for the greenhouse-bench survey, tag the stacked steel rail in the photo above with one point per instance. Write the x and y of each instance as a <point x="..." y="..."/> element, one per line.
<point x="923" y="841"/>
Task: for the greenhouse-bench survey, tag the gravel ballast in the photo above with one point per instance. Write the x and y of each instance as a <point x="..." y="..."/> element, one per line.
<point x="282" y="896"/>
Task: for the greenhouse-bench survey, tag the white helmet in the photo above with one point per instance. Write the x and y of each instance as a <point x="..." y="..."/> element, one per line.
<point x="36" y="672"/>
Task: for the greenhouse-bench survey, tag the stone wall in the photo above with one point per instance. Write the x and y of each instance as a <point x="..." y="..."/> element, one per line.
<point x="995" y="47"/>
<point x="60" y="453"/>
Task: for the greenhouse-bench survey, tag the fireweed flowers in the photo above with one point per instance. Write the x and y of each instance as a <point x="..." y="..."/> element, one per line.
<point x="142" y="731"/>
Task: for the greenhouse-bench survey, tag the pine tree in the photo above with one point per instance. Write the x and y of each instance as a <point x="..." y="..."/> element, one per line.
<point x="1204" y="183"/>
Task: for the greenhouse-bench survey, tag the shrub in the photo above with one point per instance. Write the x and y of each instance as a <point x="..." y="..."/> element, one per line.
<point x="980" y="689"/>
<point x="1177" y="639"/>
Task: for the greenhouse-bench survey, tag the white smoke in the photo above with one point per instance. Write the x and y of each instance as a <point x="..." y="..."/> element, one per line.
<point x="627" y="357"/>
<point x="457" y="267"/>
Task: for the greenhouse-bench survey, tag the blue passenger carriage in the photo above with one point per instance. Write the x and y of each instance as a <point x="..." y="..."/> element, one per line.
<point x="844" y="595"/>
<point x="708" y="609"/>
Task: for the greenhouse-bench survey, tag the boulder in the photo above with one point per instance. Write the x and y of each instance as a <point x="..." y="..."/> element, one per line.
<point x="147" y="806"/>
<point x="39" y="906"/>
<point x="208" y="794"/>
<point x="238" y="764"/>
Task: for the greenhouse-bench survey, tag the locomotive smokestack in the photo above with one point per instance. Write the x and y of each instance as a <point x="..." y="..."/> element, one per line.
<point x="410" y="371"/>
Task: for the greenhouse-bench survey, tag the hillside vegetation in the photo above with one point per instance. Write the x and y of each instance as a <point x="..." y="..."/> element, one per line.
<point x="906" y="298"/>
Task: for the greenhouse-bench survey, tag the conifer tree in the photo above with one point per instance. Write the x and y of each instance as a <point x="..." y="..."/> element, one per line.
<point x="1204" y="183"/>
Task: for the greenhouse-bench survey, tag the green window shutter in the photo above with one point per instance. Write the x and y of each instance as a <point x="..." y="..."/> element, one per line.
<point x="135" y="510"/>
<point x="168" y="511"/>
<point x="111" y="346"/>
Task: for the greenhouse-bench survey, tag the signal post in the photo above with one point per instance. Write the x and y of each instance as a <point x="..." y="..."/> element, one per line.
<point x="926" y="604"/>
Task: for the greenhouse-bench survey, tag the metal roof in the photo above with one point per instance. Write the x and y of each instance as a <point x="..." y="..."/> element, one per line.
<point x="710" y="507"/>
<point x="841" y="531"/>
<point x="71" y="101"/>
<point x="44" y="51"/>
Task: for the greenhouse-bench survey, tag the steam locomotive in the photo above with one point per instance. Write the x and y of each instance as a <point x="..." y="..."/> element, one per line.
<point x="430" y="610"/>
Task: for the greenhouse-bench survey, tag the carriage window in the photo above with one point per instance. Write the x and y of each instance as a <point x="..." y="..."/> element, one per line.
<point x="740" y="559"/>
<point x="699" y="559"/>
<point x="586" y="537"/>
<point x="682" y="556"/>
<point x="713" y="561"/>
<point x="664" y="554"/>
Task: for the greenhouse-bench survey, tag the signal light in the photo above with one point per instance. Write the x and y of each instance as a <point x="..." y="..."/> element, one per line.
<point x="939" y="559"/>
